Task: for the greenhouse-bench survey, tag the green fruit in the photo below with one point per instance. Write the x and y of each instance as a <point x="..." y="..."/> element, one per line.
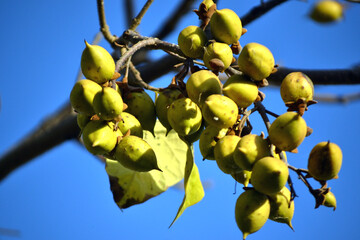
<point x="97" y="64"/>
<point x="226" y="26"/>
<point x="162" y="104"/>
<point x="242" y="176"/>
<point x="325" y="161"/>
<point x="129" y="122"/>
<point x="136" y="154"/>
<point x="281" y="208"/>
<point x="82" y="96"/>
<point x="108" y="104"/>
<point x="295" y="86"/>
<point x="241" y="90"/>
<point x="250" y="148"/>
<point x="327" y="11"/>
<point x="218" y="56"/>
<point x="288" y="131"/>
<point x="99" y="137"/>
<point x="192" y="40"/>
<point x="202" y="84"/>
<point x="208" y="140"/>
<point x="82" y="120"/>
<point x="184" y="116"/>
<point x="269" y="175"/>
<point x="220" y="111"/>
<point x="252" y="210"/>
<point x="330" y="200"/>
<point x="223" y="153"/>
<point x="142" y="107"/>
<point x="256" y="61"/>
<point x="194" y="136"/>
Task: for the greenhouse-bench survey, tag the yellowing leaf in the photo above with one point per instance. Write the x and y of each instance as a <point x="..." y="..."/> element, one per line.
<point x="131" y="187"/>
<point x="194" y="190"/>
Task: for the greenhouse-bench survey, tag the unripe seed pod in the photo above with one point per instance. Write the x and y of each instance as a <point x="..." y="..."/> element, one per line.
<point x="108" y="104"/>
<point x="220" y="111"/>
<point x="142" y="107"/>
<point x="288" y="131"/>
<point x="226" y="26"/>
<point x="242" y="176"/>
<point x="325" y="161"/>
<point x="129" y="122"/>
<point x="330" y="200"/>
<point x="250" y="148"/>
<point x="281" y="207"/>
<point x="295" y="86"/>
<point x="252" y="210"/>
<point x="218" y="56"/>
<point x="207" y="141"/>
<point x="256" y="61"/>
<point x="82" y="120"/>
<point x="82" y="96"/>
<point x="269" y="175"/>
<point x="327" y="11"/>
<point x="202" y="84"/>
<point x="99" y="137"/>
<point x="97" y="64"/>
<point x="192" y="40"/>
<point x="136" y="154"/>
<point x="194" y="136"/>
<point x="162" y="104"/>
<point x="184" y="116"/>
<point x="241" y="90"/>
<point x="223" y="153"/>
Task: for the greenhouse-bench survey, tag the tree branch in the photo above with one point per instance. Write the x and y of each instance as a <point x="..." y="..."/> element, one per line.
<point x="137" y="20"/>
<point x="128" y="11"/>
<point x="104" y="28"/>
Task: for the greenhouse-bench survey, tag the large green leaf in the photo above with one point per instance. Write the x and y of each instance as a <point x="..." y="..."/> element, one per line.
<point x="194" y="190"/>
<point x="131" y="187"/>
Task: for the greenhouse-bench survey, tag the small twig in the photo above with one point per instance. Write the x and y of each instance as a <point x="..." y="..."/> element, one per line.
<point x="271" y="113"/>
<point x="261" y="109"/>
<point x="137" y="20"/>
<point x="139" y="80"/>
<point x="104" y="28"/>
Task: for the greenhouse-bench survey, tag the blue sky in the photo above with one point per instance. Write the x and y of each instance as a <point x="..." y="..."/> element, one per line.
<point x="64" y="193"/>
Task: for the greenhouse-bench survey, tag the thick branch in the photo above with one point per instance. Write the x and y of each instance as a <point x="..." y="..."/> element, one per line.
<point x="260" y="10"/>
<point x="320" y="77"/>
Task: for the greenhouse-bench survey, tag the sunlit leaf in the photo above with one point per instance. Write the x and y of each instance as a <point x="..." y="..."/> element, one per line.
<point x="131" y="187"/>
<point x="194" y="190"/>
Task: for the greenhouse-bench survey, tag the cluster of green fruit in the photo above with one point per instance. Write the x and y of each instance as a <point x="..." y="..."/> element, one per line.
<point x="110" y="123"/>
<point x="112" y="117"/>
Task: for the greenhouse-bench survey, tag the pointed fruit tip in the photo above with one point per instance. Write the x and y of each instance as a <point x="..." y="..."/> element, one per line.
<point x="290" y="225"/>
<point x="245" y="234"/>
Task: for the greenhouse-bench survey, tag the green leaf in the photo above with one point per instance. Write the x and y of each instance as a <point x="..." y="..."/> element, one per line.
<point x="131" y="187"/>
<point x="194" y="190"/>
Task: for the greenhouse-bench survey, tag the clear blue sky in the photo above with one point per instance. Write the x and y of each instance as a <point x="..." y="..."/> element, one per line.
<point x="64" y="193"/>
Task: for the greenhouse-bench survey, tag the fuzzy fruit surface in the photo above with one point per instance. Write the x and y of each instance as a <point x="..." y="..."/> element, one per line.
<point x="242" y="176"/>
<point x="108" y="104"/>
<point x="99" y="137"/>
<point x="249" y="149"/>
<point x="256" y="61"/>
<point x="207" y="141"/>
<point x="82" y="96"/>
<point x="184" y="116"/>
<point x="330" y="200"/>
<point x="325" y="161"/>
<point x="269" y="175"/>
<point x="223" y="153"/>
<point x="202" y="84"/>
<point x="288" y="131"/>
<point x="142" y="107"/>
<point x="241" y="90"/>
<point x="226" y="26"/>
<point x="162" y="104"/>
<point x="221" y="52"/>
<point x="136" y="154"/>
<point x="252" y="210"/>
<point x="220" y="111"/>
<point x="130" y="122"/>
<point x="192" y="40"/>
<point x="295" y="86"/>
<point x="327" y="11"/>
<point x="281" y="208"/>
<point x="97" y="64"/>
